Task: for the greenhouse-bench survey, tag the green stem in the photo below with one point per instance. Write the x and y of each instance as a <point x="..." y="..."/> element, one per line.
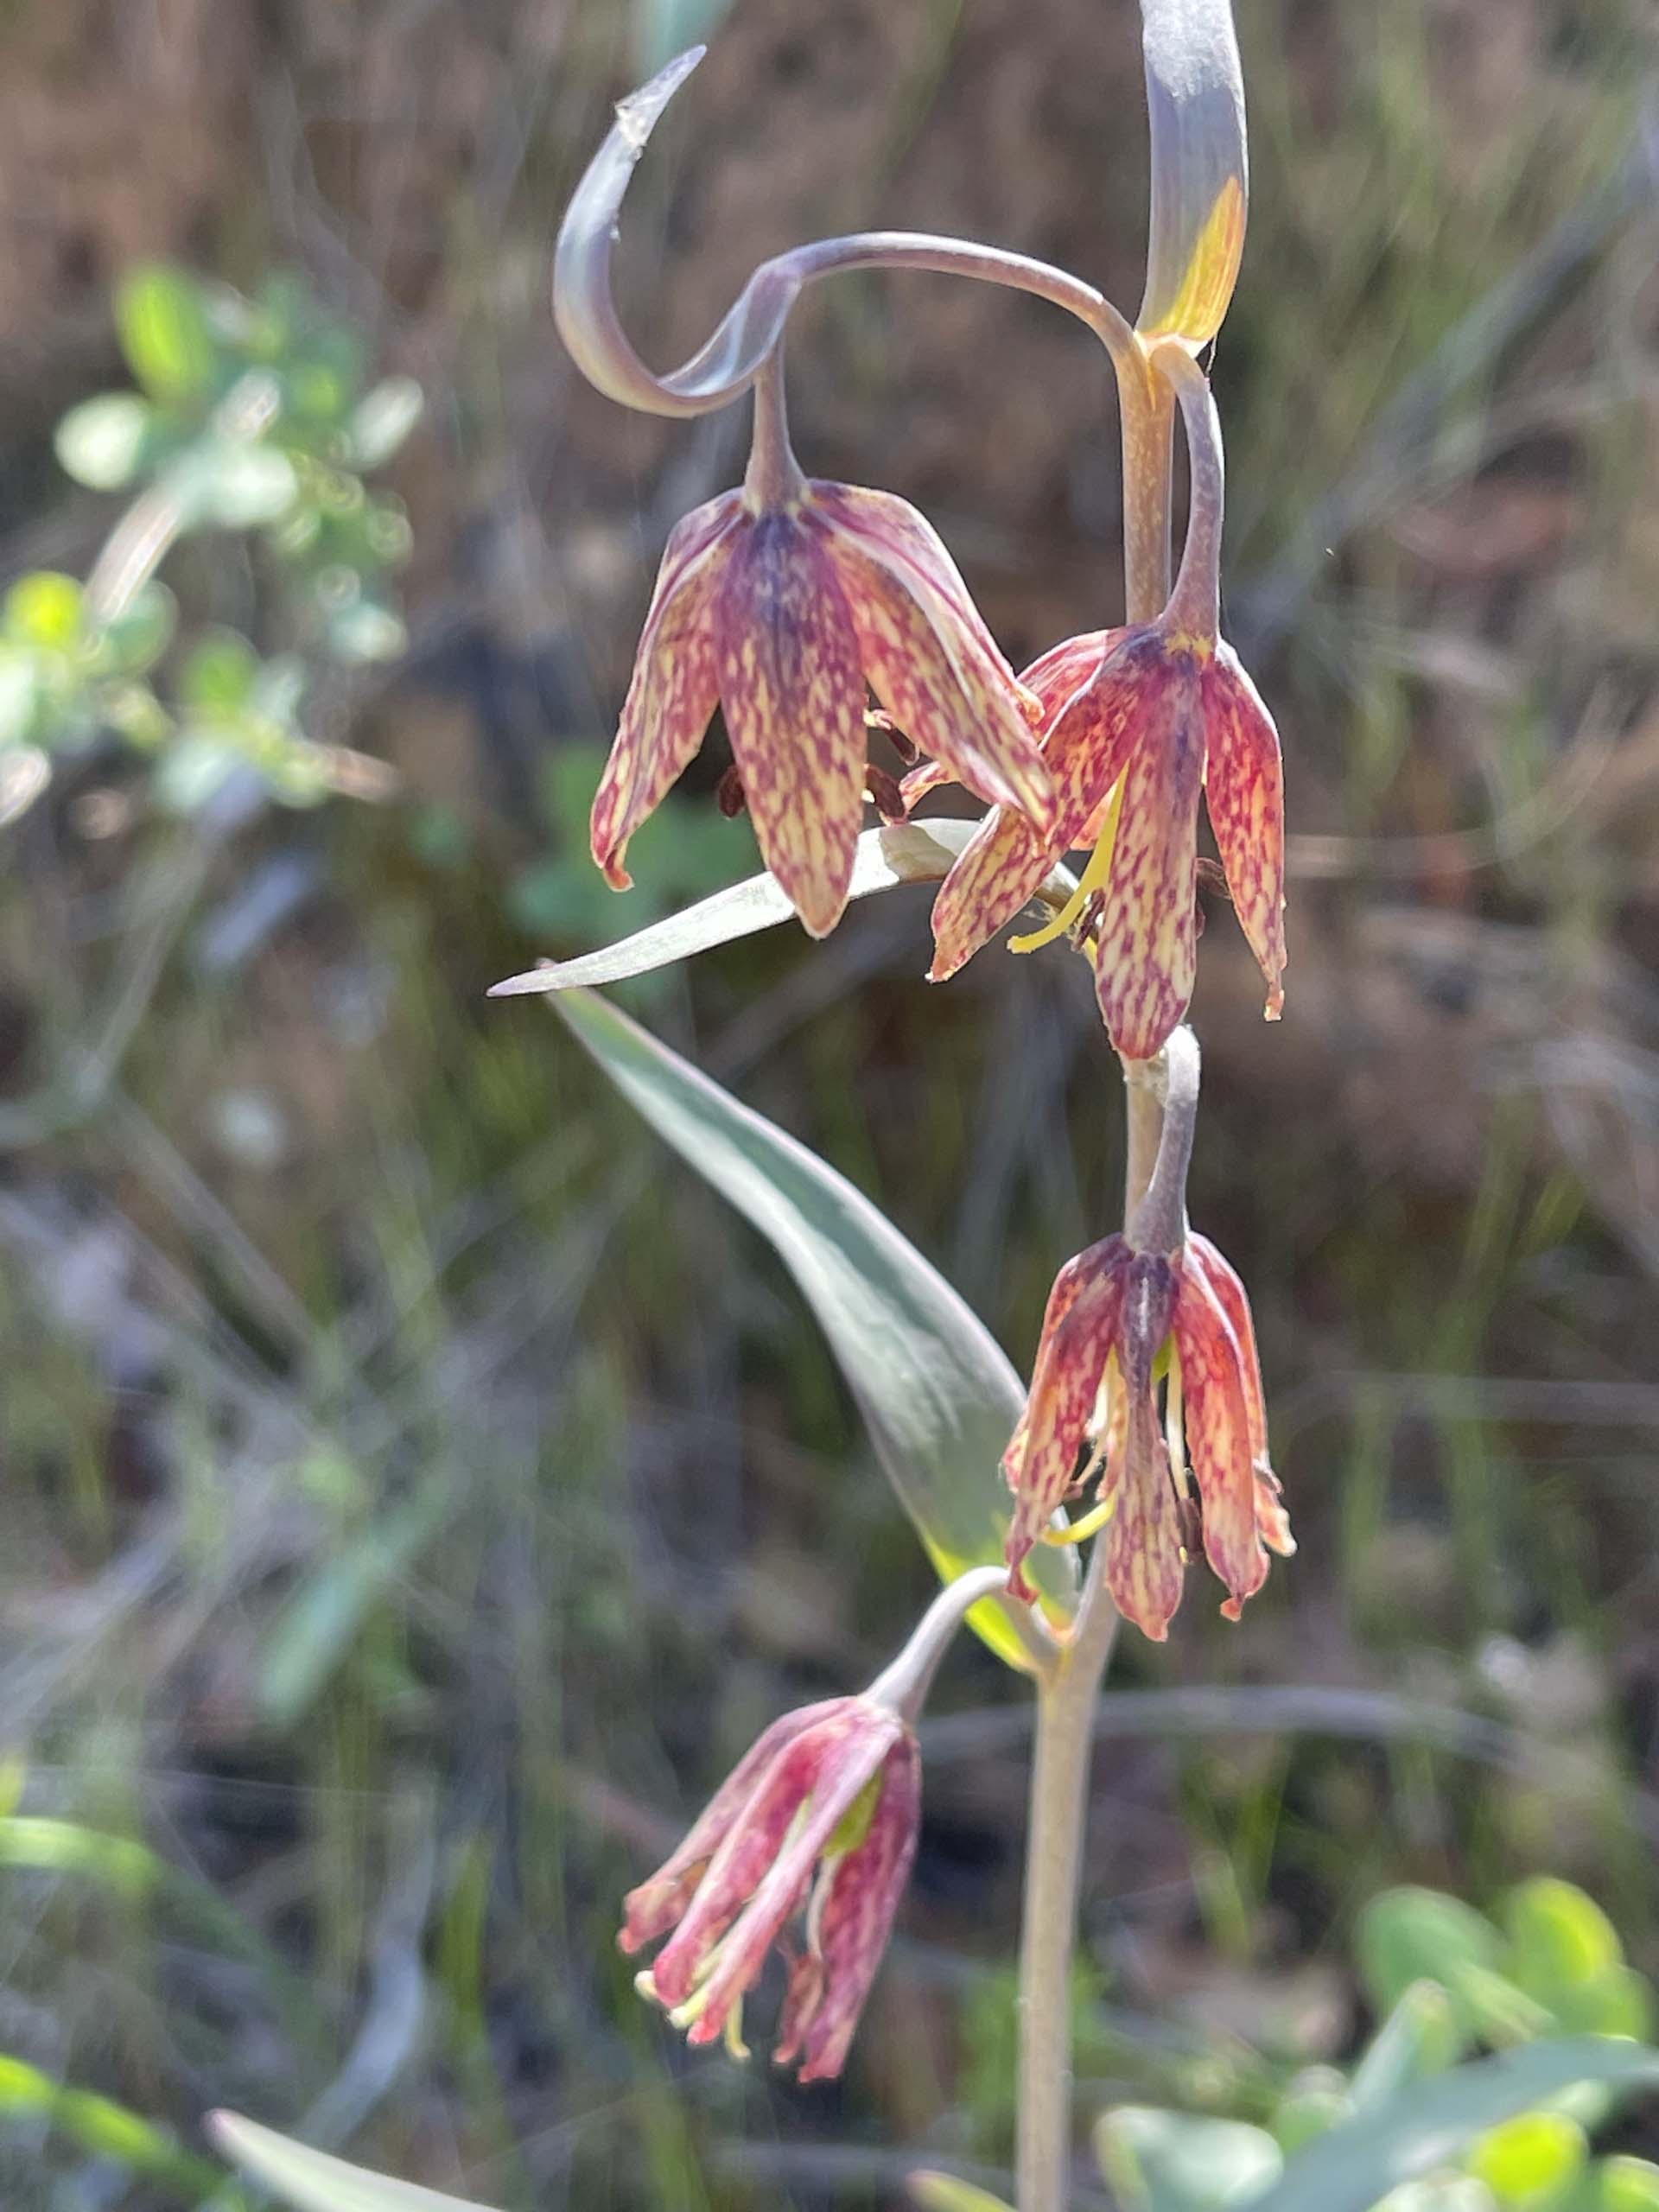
<point x="1059" y="1805"/>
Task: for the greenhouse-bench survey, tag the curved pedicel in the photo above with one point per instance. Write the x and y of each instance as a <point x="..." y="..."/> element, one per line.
<point x="585" y="308"/>
<point x="1195" y="604"/>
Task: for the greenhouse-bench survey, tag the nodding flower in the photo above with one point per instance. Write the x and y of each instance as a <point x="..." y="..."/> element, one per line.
<point x="1155" y="1302"/>
<point x="780" y="603"/>
<point x="1136" y="723"/>
<point x="821" y="1816"/>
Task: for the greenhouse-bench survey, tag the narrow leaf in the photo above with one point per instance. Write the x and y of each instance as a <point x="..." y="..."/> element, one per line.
<point x="313" y="2182"/>
<point x="937" y="2192"/>
<point x="1353" y="2165"/>
<point x="938" y="1394"/>
<point x="1200" y="177"/>
<point x="904" y="852"/>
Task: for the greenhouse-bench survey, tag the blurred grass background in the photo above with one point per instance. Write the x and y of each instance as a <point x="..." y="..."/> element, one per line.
<point x="417" y="1490"/>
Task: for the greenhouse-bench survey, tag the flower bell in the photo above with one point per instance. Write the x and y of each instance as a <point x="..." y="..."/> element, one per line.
<point x="1156" y="1303"/>
<point x="780" y="603"/>
<point x="1137" y="723"/>
<point x="821" y="1815"/>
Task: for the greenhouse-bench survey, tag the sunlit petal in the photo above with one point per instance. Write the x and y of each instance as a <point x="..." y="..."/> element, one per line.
<point x="1148" y="939"/>
<point x="1244" y="780"/>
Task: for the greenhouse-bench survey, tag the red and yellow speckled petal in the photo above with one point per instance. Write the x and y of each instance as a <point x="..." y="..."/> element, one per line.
<point x="850" y="1920"/>
<point x="652" y="1908"/>
<point x="942" y="691"/>
<point x="1000" y="867"/>
<point x="1145" y="1569"/>
<point x="994" y="876"/>
<point x="1245" y="792"/>
<point x="1217" y="1419"/>
<point x="673" y="691"/>
<point x="1230" y="1295"/>
<point x="792" y="685"/>
<point x="1149" y="942"/>
<point x="889" y="529"/>
<point x="1052" y="678"/>
<point x="1080" y="1330"/>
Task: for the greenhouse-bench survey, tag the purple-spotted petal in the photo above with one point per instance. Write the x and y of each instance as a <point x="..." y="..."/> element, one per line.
<point x="792" y="685"/>
<point x="1145" y="1566"/>
<point x="1215" y="1415"/>
<point x="1080" y="1329"/>
<point x="1245" y="794"/>
<point x="1148" y="942"/>
<point x="851" y="1918"/>
<point x="995" y="874"/>
<point x="651" y="1910"/>
<point x="673" y="690"/>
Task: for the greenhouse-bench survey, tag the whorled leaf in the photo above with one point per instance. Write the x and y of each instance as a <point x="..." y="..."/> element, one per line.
<point x="1200" y="174"/>
<point x="311" y="2181"/>
<point x="939" y="1396"/>
<point x="1429" y="2125"/>
<point x="903" y="852"/>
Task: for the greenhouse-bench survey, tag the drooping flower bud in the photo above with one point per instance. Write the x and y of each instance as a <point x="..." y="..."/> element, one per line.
<point x="821" y="1813"/>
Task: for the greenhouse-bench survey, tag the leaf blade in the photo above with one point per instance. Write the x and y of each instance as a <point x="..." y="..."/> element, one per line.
<point x="312" y="2181"/>
<point x="938" y="1394"/>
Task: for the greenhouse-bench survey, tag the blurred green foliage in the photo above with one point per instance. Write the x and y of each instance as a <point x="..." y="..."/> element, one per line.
<point x="252" y="416"/>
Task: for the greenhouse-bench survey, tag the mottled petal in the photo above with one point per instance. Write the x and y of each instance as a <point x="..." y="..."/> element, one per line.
<point x="852" y="1917"/>
<point x="792" y="687"/>
<point x="1245" y="793"/>
<point x="652" y="1908"/>
<point x="1216" y="1418"/>
<point x="1051" y="679"/>
<point x="1000" y="867"/>
<point x="995" y="874"/>
<point x="1080" y="1330"/>
<point x="840" y="1777"/>
<point x="1147" y="943"/>
<point x="673" y="692"/>
<point x="930" y="776"/>
<point x="1144" y="1561"/>
<point x="1234" y="1301"/>
<point x="942" y="692"/>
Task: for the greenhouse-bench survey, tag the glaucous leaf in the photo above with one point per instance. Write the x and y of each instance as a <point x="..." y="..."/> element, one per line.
<point x="1200" y="177"/>
<point x="165" y="334"/>
<point x="311" y="2181"/>
<point x="1158" y="2161"/>
<point x="904" y="852"/>
<point x="938" y="1394"/>
<point x="1349" y="2168"/>
<point x="101" y="443"/>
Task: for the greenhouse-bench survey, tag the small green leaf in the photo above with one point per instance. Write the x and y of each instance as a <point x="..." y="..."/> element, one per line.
<point x="311" y="2181"/>
<point x="65" y="1848"/>
<point x="135" y="639"/>
<point x="1624" y="2185"/>
<point x="218" y="675"/>
<point x="1531" y="2163"/>
<point x="20" y="697"/>
<point x="1316" y="2100"/>
<point x="1351" y="2167"/>
<point x="191" y="772"/>
<point x="236" y="484"/>
<point x="1561" y="1939"/>
<point x="1408" y="1936"/>
<point x="938" y="1395"/>
<point x="101" y="443"/>
<point x="383" y="419"/>
<point x="1173" y="2162"/>
<point x="165" y="334"/>
<point x="45" y="610"/>
<point x="364" y="633"/>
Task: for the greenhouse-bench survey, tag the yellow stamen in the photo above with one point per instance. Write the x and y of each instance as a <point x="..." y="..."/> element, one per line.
<point x="1094" y="878"/>
<point x="733" y="2034"/>
<point x="1078" y="1532"/>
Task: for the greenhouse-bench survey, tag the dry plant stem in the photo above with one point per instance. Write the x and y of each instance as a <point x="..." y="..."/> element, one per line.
<point x="1059" y="1779"/>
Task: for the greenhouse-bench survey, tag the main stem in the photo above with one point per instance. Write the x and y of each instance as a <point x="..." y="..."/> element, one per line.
<point x="1060" y="1802"/>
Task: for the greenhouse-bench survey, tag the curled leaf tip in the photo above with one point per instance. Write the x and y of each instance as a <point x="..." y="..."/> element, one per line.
<point x="637" y="114"/>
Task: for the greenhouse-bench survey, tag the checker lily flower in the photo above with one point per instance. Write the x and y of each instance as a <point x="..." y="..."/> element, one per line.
<point x="1137" y="723"/>
<point x="1201" y="1477"/>
<point x="820" y="1818"/>
<point x="780" y="602"/>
